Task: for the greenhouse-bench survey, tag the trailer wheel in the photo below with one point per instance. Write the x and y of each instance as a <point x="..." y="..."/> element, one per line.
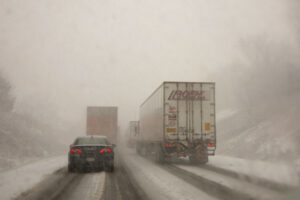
<point x="143" y="151"/>
<point x="159" y="155"/>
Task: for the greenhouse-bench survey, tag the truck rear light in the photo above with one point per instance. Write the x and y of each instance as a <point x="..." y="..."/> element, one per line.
<point x="108" y="150"/>
<point x="74" y="150"/>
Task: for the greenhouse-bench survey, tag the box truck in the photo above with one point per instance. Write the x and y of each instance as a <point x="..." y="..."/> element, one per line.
<point x="178" y="120"/>
<point x="102" y="121"/>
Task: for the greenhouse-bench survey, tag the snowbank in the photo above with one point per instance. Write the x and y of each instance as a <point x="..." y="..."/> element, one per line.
<point x="14" y="182"/>
<point x="281" y="173"/>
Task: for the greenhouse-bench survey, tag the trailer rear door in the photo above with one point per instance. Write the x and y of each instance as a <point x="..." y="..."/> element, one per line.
<point x="190" y="113"/>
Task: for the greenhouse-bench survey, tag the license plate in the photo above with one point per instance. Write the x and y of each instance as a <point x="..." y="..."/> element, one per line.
<point x="90" y="148"/>
<point x="90" y="159"/>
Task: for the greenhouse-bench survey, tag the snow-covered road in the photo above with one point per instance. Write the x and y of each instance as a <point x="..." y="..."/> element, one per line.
<point x="157" y="183"/>
<point x="235" y="187"/>
<point x="86" y="187"/>
<point x="137" y="177"/>
<point x="14" y="182"/>
<point x="183" y="181"/>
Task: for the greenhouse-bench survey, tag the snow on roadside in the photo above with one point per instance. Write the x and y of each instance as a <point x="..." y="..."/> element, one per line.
<point x="231" y="184"/>
<point x="276" y="172"/>
<point x="14" y="182"/>
<point x="224" y="114"/>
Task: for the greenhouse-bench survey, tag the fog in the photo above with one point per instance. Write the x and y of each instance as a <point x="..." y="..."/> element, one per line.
<point x="62" y="56"/>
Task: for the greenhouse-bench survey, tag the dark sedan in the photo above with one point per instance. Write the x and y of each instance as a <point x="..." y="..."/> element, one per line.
<point x="91" y="153"/>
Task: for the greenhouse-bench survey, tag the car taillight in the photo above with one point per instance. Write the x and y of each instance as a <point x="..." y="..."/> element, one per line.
<point x="210" y="145"/>
<point x="74" y="150"/>
<point x="106" y="150"/>
<point x="101" y="151"/>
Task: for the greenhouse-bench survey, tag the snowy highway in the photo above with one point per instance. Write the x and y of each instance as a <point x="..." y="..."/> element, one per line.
<point x="185" y="181"/>
<point x="150" y="100"/>
<point x="135" y="177"/>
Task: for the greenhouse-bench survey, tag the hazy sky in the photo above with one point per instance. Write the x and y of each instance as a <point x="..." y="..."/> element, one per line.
<point x="62" y="55"/>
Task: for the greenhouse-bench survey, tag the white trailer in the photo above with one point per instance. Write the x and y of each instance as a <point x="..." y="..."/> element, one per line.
<point x="177" y="120"/>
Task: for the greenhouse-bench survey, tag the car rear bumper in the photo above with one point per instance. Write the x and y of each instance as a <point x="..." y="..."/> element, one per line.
<point x="90" y="161"/>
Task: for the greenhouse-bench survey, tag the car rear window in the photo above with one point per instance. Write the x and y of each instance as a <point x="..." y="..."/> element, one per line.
<point x="82" y="141"/>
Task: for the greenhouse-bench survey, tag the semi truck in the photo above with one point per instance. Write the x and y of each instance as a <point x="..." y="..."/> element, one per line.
<point x="102" y="120"/>
<point x="132" y="133"/>
<point x="178" y="120"/>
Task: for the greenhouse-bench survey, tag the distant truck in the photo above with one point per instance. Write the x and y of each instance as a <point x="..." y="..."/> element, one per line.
<point x="132" y="133"/>
<point x="178" y="120"/>
<point x="102" y="121"/>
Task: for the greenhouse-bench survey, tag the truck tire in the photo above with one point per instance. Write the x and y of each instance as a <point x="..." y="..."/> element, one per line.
<point x="159" y="156"/>
<point x="144" y="151"/>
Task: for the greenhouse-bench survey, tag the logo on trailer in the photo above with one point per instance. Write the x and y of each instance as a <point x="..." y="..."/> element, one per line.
<point x="189" y="95"/>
